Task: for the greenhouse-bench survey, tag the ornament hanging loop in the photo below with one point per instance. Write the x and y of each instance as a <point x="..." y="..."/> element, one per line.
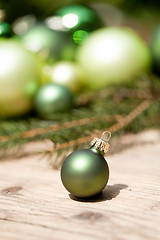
<point x="101" y="143"/>
<point x="106" y="136"/>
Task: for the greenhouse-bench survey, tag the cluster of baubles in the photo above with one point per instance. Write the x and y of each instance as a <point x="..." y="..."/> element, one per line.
<point x="44" y="64"/>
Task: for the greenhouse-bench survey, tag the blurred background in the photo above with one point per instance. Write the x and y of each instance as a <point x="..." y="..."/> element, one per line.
<point x="65" y="61"/>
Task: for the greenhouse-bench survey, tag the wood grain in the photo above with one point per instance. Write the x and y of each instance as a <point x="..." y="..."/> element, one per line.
<point x="34" y="205"/>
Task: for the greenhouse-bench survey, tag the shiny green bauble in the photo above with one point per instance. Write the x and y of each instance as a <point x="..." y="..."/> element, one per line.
<point x="19" y="79"/>
<point x="85" y="173"/>
<point x="76" y="17"/>
<point x="51" y="99"/>
<point x="5" y="29"/>
<point x="45" y="42"/>
<point x="79" y="20"/>
<point x="68" y="74"/>
<point x="113" y="56"/>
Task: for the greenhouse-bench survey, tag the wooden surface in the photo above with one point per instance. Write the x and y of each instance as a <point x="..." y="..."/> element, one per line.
<point x="35" y="206"/>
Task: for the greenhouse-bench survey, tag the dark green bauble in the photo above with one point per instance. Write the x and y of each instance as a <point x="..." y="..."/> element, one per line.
<point x="45" y="42"/>
<point x="75" y="17"/>
<point x="51" y="99"/>
<point x="85" y="173"/>
<point x="155" y="48"/>
<point x="79" y="20"/>
<point x="5" y="29"/>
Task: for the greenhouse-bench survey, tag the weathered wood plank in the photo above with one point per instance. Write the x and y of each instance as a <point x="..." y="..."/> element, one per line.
<point x="34" y="205"/>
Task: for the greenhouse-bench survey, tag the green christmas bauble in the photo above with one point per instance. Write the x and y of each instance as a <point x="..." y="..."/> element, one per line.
<point x="51" y="99"/>
<point x="5" y="29"/>
<point x="155" y="48"/>
<point x="78" y="20"/>
<point x="85" y="173"/>
<point x="19" y="79"/>
<point x="67" y="74"/>
<point x="113" y="56"/>
<point x="45" y="42"/>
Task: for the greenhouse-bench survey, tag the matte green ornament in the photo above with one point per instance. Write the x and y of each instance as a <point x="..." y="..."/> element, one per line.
<point x="85" y="172"/>
<point x="51" y="99"/>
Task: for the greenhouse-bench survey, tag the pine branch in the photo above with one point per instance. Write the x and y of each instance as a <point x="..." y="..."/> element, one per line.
<point x="61" y="149"/>
<point x="124" y="92"/>
<point x="56" y="127"/>
<point x="115" y="127"/>
<point x="95" y="112"/>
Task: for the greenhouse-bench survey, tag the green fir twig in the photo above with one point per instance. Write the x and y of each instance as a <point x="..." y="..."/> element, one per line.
<point x="120" y="110"/>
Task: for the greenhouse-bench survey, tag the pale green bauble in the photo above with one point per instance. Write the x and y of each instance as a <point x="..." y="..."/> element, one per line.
<point x="68" y="74"/>
<point x="45" y="42"/>
<point x="85" y="173"/>
<point x="19" y="79"/>
<point x="113" y="56"/>
<point x="51" y="99"/>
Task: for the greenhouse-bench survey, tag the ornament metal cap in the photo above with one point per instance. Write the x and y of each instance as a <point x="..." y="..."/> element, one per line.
<point x="101" y="143"/>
